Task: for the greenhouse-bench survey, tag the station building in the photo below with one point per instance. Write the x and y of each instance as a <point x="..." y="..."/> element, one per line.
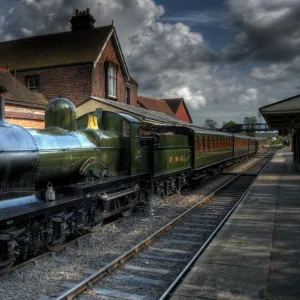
<point x="284" y="116"/>
<point x="74" y="64"/>
<point x="79" y="64"/>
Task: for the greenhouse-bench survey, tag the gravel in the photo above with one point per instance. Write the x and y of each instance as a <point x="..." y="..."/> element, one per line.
<point x="95" y="251"/>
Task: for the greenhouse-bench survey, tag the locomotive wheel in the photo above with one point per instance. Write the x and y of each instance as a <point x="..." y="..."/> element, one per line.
<point x="165" y="192"/>
<point x="5" y="266"/>
<point x="127" y="212"/>
<point x="178" y="189"/>
<point x="93" y="221"/>
<point x="133" y="198"/>
<point x="54" y="246"/>
<point x="94" y="227"/>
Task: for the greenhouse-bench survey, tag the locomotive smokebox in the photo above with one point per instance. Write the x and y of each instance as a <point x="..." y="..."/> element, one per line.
<point x="2" y="107"/>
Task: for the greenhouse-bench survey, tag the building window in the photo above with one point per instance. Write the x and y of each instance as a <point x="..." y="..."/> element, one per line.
<point x="112" y="82"/>
<point x="33" y="83"/>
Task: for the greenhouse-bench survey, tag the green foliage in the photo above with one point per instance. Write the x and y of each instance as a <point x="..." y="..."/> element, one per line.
<point x="210" y="124"/>
<point x="228" y="124"/>
<point x="250" y="120"/>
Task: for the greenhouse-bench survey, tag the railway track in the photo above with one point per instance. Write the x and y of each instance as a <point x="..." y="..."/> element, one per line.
<point x="154" y="267"/>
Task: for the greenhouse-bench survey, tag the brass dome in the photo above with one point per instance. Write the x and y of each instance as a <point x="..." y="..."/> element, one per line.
<point x="61" y="112"/>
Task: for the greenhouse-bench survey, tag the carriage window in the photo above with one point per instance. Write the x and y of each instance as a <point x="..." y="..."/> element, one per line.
<point x="203" y="143"/>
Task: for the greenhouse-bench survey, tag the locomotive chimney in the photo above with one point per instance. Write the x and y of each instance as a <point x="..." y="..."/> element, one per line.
<point x="2" y="106"/>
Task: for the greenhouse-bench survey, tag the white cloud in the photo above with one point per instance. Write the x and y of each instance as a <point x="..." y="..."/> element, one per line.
<point x="27" y="32"/>
<point x="273" y="72"/>
<point x="208" y="17"/>
<point x="194" y="100"/>
<point x="249" y="97"/>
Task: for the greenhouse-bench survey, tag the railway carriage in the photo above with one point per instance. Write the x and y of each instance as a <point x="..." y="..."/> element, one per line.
<point x="71" y="175"/>
<point x="211" y="148"/>
<point x="241" y="145"/>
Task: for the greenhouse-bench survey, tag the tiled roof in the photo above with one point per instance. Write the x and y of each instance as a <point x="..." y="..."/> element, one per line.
<point x="142" y="112"/>
<point x="19" y="94"/>
<point x="154" y="117"/>
<point x="156" y="105"/>
<point x="173" y="103"/>
<point x="54" y="49"/>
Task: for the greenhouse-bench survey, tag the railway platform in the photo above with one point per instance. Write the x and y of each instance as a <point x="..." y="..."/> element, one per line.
<point x="256" y="255"/>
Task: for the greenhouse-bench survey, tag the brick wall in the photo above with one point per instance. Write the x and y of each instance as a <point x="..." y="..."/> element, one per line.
<point x="77" y="83"/>
<point x="25" y="116"/>
<point x="133" y="95"/>
<point x="99" y="76"/>
<point x="27" y="123"/>
<point x="182" y="114"/>
<point x="71" y="82"/>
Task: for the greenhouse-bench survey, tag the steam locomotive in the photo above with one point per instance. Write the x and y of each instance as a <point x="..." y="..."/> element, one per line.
<point x="73" y="174"/>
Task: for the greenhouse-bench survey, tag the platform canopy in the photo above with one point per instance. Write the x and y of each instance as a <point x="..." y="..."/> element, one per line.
<point x="283" y="115"/>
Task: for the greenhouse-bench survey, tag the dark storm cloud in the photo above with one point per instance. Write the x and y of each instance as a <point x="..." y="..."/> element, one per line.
<point x="267" y="30"/>
<point x="170" y="60"/>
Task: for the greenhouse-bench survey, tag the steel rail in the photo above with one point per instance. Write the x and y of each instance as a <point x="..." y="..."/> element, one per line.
<point x="86" y="283"/>
<point x="177" y="280"/>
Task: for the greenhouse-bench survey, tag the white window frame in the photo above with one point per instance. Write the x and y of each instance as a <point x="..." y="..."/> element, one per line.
<point x="32" y="83"/>
<point x="112" y="82"/>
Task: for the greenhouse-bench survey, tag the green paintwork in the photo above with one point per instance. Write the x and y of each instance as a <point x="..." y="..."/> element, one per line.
<point x="172" y="154"/>
<point x="115" y="146"/>
<point x="139" y="155"/>
<point x="240" y="151"/>
<point x="207" y="157"/>
<point x="60" y="112"/>
<point x="203" y="158"/>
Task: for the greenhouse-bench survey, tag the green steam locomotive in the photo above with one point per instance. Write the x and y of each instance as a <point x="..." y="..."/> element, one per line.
<point x="75" y="173"/>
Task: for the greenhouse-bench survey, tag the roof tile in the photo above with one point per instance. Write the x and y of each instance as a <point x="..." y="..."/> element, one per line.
<point x="54" y="49"/>
<point x="156" y="105"/>
<point x="18" y="93"/>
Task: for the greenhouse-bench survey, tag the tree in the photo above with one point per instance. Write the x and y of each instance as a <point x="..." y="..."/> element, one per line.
<point x="210" y="124"/>
<point x="228" y="124"/>
<point x="250" y="120"/>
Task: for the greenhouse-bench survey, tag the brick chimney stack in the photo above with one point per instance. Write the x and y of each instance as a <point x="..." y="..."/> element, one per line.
<point x="82" y="20"/>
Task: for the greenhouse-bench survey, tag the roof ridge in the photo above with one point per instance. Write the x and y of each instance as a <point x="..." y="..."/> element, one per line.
<point x="150" y="98"/>
<point x="171" y="99"/>
<point x="54" y="33"/>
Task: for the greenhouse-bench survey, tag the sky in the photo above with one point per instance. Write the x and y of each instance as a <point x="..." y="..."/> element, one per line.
<point x="225" y="58"/>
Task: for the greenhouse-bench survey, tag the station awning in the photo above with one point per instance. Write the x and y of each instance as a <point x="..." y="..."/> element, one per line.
<point x="283" y="115"/>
